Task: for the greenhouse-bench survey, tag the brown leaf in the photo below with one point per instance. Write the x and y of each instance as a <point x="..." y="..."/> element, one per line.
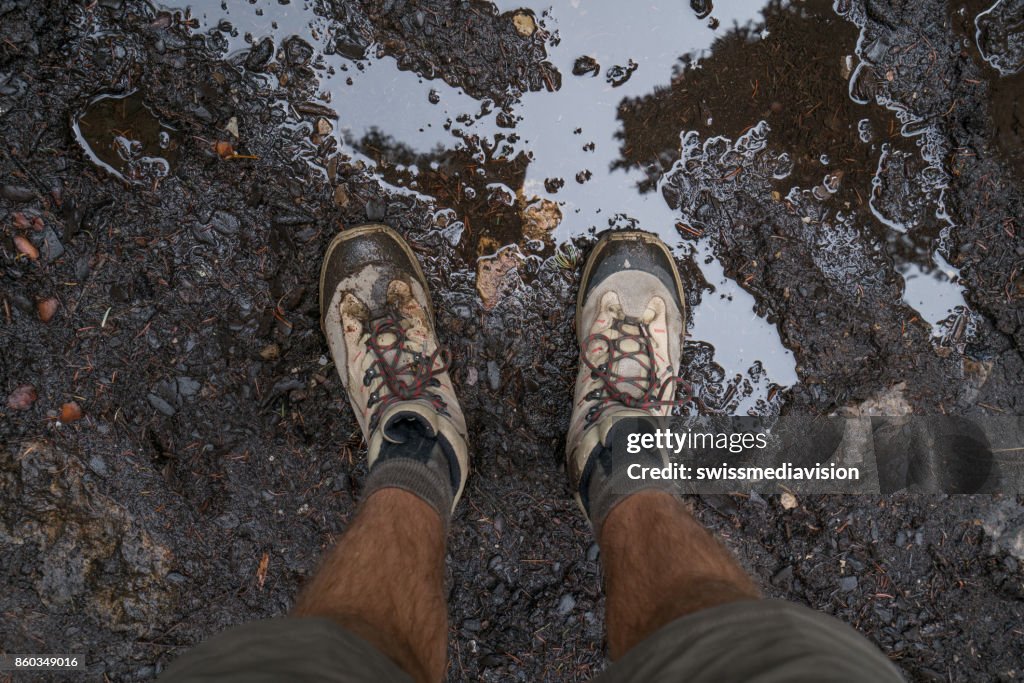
<point x="70" y="412"/>
<point x="21" y="221"/>
<point x="22" y="398"/>
<point x="26" y="247"/>
<point x="224" y="149"/>
<point x="47" y="308"/>
<point x="261" y="571"/>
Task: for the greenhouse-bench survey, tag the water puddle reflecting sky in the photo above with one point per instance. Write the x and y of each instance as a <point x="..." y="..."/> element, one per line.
<point x="569" y="139"/>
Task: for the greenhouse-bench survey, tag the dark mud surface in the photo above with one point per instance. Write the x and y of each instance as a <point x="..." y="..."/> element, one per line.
<point x="841" y="185"/>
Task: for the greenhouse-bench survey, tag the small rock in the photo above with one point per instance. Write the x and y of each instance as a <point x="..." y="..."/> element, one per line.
<point x="232" y="126"/>
<point x="566" y="604"/>
<point x="270" y="352"/>
<point x="260" y="55"/>
<point x="17" y="193"/>
<point x="472" y="625"/>
<point x="22" y="398"/>
<point x="493" y="375"/>
<point x="98" y="465"/>
<point x="376" y="209"/>
<point x="188" y="387"/>
<point x="848" y="583"/>
<point x="161" y="405"/>
<point x="323" y="127"/>
<point x="593" y="552"/>
<point x="788" y="501"/>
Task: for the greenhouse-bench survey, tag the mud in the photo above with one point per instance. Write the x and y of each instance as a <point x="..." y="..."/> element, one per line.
<point x="840" y="185"/>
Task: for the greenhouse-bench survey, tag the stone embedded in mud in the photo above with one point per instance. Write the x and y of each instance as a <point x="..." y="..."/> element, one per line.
<point x="498" y="275"/>
<point x="540" y="218"/>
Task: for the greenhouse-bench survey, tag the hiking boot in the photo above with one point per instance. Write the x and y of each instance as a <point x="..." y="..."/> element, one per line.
<point x="630" y="322"/>
<point x="376" y="313"/>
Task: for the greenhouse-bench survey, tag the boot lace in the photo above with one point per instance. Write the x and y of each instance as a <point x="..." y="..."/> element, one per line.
<point x="406" y="374"/>
<point x="643" y="391"/>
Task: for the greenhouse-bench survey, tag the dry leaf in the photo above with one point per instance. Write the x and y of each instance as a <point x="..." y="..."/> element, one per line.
<point x="261" y="571"/>
<point x="224" y="149"/>
<point x="25" y="247"/>
<point x="524" y="23"/>
<point x="70" y="412"/>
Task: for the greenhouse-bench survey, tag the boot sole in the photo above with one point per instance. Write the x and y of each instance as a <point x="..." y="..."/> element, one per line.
<point x="611" y="239"/>
<point x="355" y="233"/>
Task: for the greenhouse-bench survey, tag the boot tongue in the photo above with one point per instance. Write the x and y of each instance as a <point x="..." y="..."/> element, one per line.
<point x="630" y="367"/>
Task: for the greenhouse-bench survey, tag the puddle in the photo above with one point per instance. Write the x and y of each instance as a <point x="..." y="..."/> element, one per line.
<point x="496" y="170"/>
<point x="603" y="149"/>
<point x="122" y="135"/>
<point x="937" y="295"/>
<point x="1000" y="36"/>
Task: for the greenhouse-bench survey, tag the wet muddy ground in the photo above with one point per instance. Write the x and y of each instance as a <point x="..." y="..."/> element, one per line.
<point x="840" y="184"/>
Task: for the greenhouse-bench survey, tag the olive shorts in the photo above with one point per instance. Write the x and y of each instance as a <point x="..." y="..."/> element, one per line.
<point x="757" y="641"/>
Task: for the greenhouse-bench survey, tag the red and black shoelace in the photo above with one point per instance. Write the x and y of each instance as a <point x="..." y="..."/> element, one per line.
<point x="407" y="374"/>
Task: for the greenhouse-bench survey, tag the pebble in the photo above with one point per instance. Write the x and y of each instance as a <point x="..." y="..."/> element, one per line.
<point x="848" y="583"/>
<point x="376" y="209"/>
<point x="98" y="465"/>
<point x="566" y="604"/>
<point x="493" y="375"/>
<point x="53" y="249"/>
<point x="188" y="387"/>
<point x="17" y="193"/>
<point x="161" y="405"/>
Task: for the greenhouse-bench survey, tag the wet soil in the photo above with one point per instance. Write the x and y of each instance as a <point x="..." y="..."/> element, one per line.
<point x="840" y="184"/>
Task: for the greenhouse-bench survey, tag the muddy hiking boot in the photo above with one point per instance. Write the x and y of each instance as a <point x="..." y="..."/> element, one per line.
<point x="376" y="313"/>
<point x="630" y="322"/>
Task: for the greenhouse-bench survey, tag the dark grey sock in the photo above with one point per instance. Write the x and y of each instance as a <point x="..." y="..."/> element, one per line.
<point x="605" y="481"/>
<point x="416" y="460"/>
